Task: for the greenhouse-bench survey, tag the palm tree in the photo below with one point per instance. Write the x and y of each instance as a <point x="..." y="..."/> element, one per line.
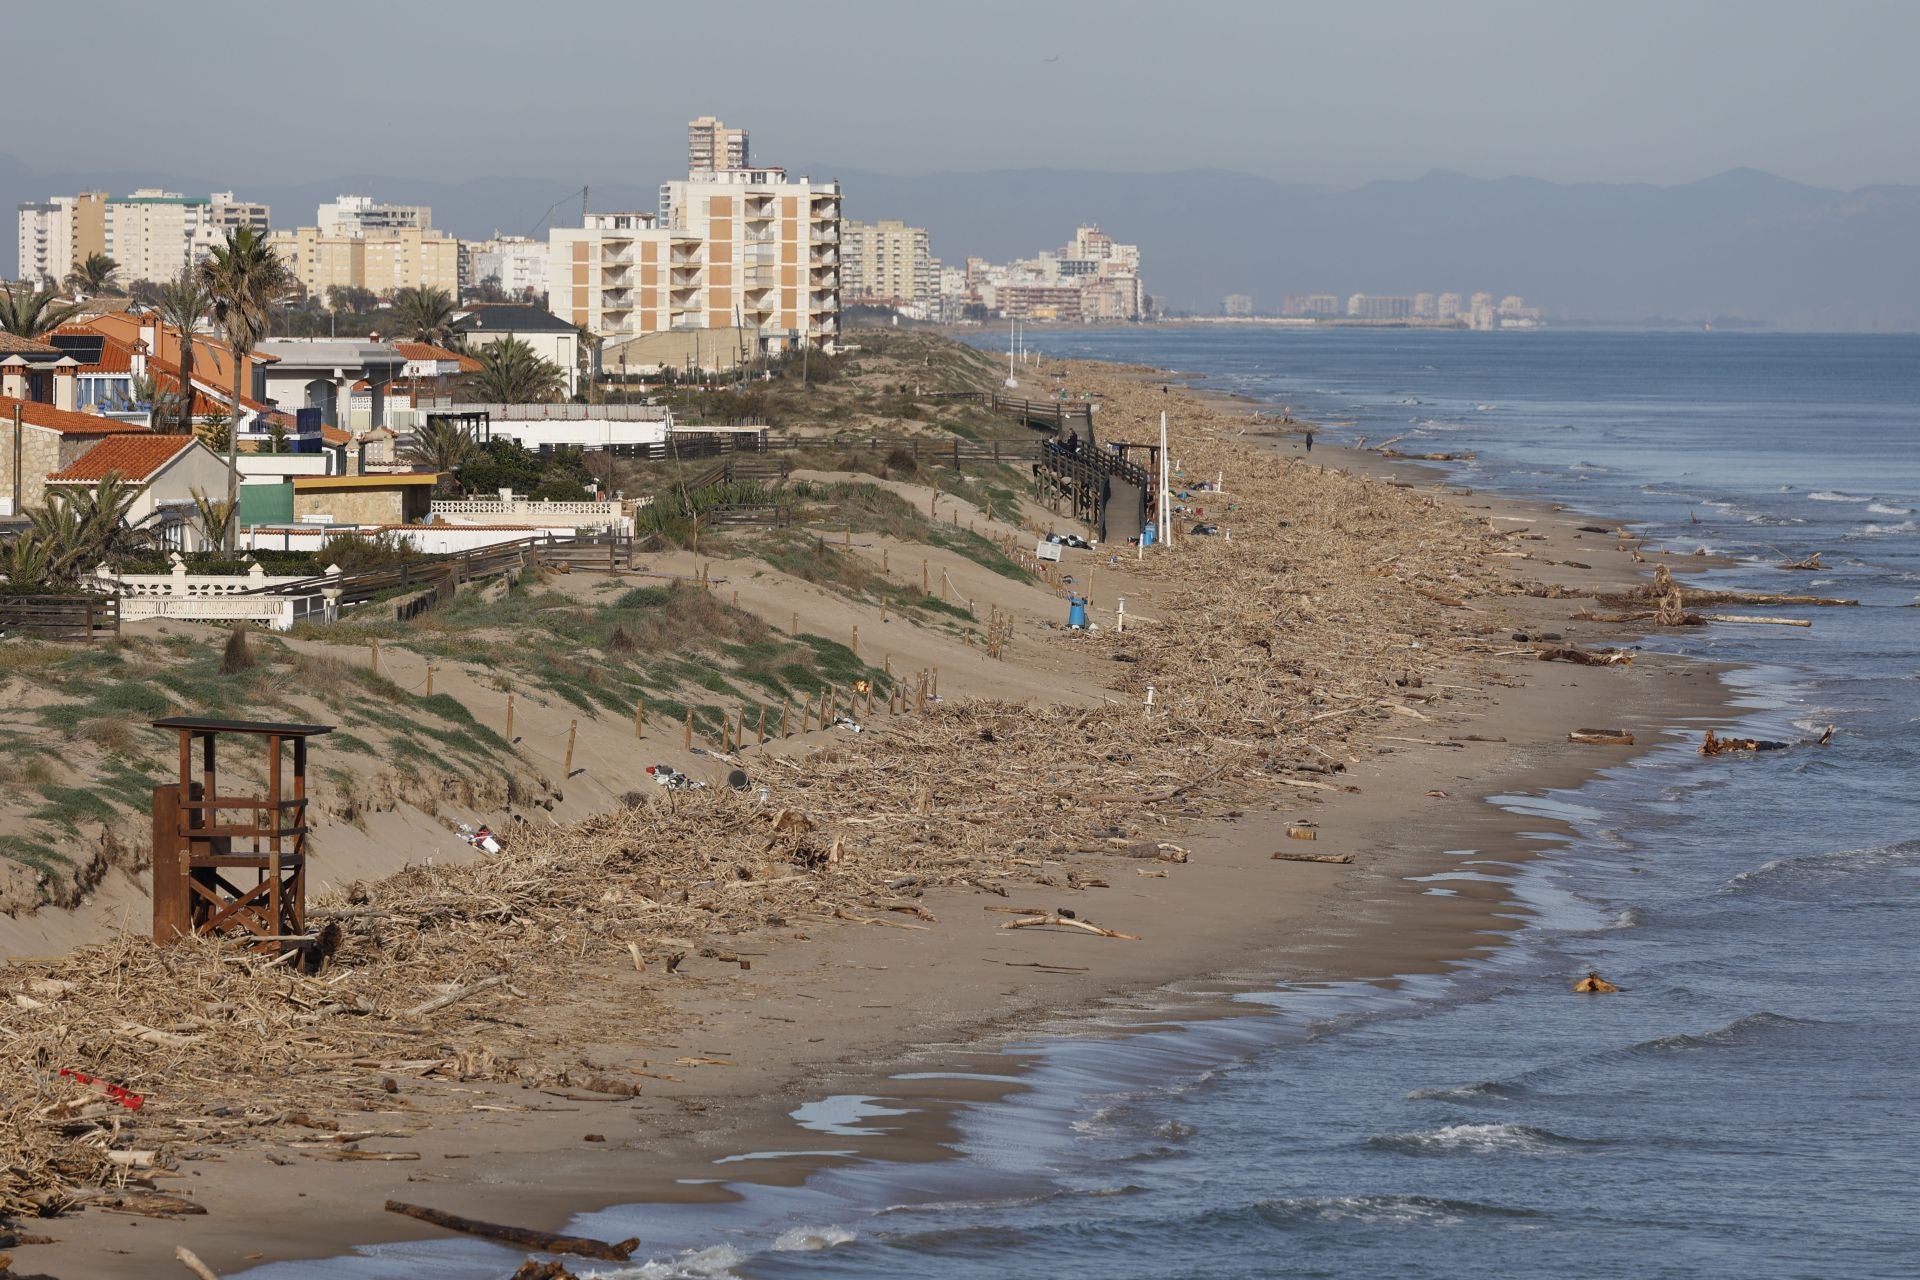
<point x="95" y="276"/>
<point x="424" y="315"/>
<point x="213" y="516"/>
<point x="183" y="305"/>
<point x="27" y="560"/>
<point x="78" y="528"/>
<point x="511" y="372"/>
<point x="27" y="314"/>
<point x="441" y="446"/>
<point x="245" y="278"/>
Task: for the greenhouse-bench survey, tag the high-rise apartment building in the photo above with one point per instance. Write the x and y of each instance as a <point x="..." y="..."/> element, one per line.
<point x="1447" y="307"/>
<point x="1373" y="306"/>
<point x="58" y="234"/>
<point x="887" y="263"/>
<point x="711" y="146"/>
<point x="361" y="216"/>
<point x="518" y="264"/>
<point x="155" y="235"/>
<point x="1237" y="304"/>
<point x="383" y="262"/>
<point x="730" y="248"/>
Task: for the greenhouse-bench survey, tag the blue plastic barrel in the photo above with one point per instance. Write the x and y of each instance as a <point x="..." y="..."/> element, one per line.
<point x="1146" y="536"/>
<point x="1076" y="613"/>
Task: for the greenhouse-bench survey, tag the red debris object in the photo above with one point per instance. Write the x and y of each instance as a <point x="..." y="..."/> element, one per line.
<point x="119" y="1093"/>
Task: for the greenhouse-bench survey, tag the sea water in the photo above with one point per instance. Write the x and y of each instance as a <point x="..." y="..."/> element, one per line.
<point x="1746" y="1107"/>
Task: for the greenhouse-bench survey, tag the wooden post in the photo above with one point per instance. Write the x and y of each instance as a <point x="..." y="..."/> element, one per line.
<point x="936" y="682"/>
<point x="794" y="629"/>
<point x="686" y="736"/>
<point x="869" y="698"/>
<point x="885" y="567"/>
<point x="856" y="639"/>
<point x="509" y="719"/>
<point x="786" y="709"/>
<point x="926" y="581"/>
<point x="883" y="608"/>
<point x="373" y="655"/>
<point x="736" y="597"/>
<point x="829" y="707"/>
<point x="573" y="729"/>
<point x="429" y="679"/>
<point x="920" y="694"/>
<point x="639" y="717"/>
<point x="846" y="539"/>
<point x="946" y="585"/>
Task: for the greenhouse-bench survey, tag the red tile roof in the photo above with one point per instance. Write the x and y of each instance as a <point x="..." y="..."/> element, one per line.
<point x="134" y="458"/>
<point x="35" y="414"/>
<point x="427" y="351"/>
<point x="334" y="435"/>
<point x="11" y="344"/>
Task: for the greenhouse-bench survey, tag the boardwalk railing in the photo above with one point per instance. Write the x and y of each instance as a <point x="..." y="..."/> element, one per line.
<point x="955" y="452"/>
<point x="86" y="617"/>
<point x="1053" y="415"/>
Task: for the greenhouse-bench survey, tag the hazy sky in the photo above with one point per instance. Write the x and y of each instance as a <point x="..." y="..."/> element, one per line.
<point x="1323" y="92"/>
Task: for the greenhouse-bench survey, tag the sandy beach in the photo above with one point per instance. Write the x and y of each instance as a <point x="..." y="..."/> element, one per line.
<point x="1400" y="684"/>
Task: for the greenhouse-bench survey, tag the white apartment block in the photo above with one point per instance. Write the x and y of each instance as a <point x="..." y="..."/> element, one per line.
<point x="1104" y="274"/>
<point x="712" y="146"/>
<point x="519" y="263"/>
<point x="746" y="248"/>
<point x="361" y="216"/>
<point x="57" y="234"/>
<point x="155" y="235"/>
<point x="887" y="263"/>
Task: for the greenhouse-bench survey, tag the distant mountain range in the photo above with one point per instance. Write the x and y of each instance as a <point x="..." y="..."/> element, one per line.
<point x="1740" y="245"/>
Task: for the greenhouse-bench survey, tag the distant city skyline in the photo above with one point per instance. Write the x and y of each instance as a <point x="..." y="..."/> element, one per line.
<point x="1636" y="91"/>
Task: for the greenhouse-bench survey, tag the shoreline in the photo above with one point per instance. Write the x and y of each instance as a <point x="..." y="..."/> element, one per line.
<point x="1342" y="913"/>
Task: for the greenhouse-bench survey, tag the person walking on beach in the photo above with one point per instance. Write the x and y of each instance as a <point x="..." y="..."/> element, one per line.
<point x="1309" y="442"/>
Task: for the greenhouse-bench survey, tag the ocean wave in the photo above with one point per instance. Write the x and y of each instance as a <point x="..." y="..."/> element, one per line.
<point x="1630" y="918"/>
<point x="1882" y="509"/>
<point x="1752" y="1029"/>
<point x="1015" y="1202"/>
<point x="1876" y="530"/>
<point x="1834" y="495"/>
<point x="812" y="1239"/>
<point x="1173" y="1131"/>
<point x="1479" y="1140"/>
<point x="1824" y="869"/>
<point x="715" y="1263"/>
<point x="1380" y="1210"/>
<point x="1476" y="1092"/>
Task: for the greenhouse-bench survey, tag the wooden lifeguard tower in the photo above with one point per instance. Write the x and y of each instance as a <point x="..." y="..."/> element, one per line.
<point x="206" y="843"/>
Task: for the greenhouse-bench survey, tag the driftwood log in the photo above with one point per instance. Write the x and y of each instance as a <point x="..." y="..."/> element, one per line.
<point x="1601" y="737"/>
<point x="1715" y="745"/>
<point x="1036" y="921"/>
<point x="1287" y="855"/>
<point x="1811" y="562"/>
<point x="1585" y="657"/>
<point x="1758" y="621"/>
<point x="520" y="1237"/>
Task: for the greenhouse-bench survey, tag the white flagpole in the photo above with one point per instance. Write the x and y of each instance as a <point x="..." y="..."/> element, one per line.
<point x="1166" y="485"/>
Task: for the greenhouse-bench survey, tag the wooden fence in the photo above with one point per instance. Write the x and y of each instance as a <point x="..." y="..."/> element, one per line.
<point x="83" y="617"/>
<point x="954" y="452"/>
